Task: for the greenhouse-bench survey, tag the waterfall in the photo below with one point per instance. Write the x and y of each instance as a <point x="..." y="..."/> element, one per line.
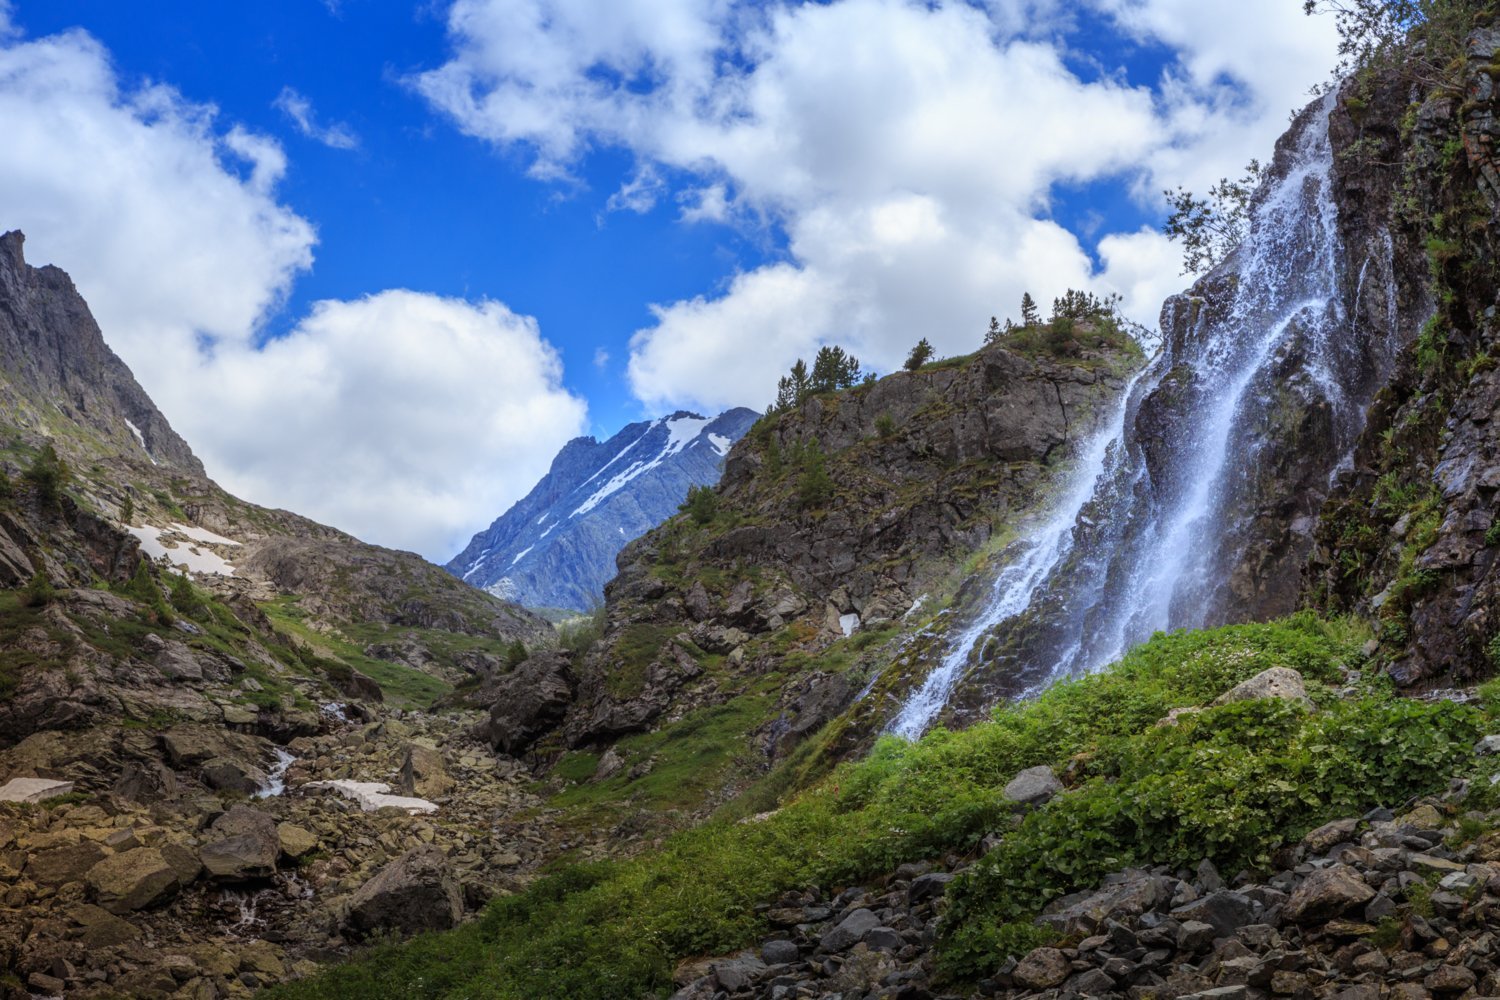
<point x="1151" y="524"/>
<point x="276" y="779"/>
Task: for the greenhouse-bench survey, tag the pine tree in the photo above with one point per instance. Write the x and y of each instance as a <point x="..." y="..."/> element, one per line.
<point x="701" y="505"/>
<point x="47" y="474"/>
<point x="516" y="654"/>
<point x="921" y="354"/>
<point x="816" y="487"/>
<point x="993" y="333"/>
<point x="1029" y="314"/>
<point x="834" y="369"/>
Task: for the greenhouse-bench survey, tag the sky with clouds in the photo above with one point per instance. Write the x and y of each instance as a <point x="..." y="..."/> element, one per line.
<point x="378" y="261"/>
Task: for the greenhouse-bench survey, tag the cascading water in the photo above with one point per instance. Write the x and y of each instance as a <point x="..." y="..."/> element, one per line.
<point x="1149" y="528"/>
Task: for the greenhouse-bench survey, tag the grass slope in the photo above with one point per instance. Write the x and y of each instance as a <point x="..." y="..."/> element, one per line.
<point x="1229" y="783"/>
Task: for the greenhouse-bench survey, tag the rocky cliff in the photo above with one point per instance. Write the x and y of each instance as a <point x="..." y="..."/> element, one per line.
<point x="1407" y="536"/>
<point x="556" y="547"/>
<point x="836" y="528"/>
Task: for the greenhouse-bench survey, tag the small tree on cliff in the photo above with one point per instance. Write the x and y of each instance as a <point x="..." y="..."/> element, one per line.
<point x="1210" y="228"/>
<point x="1030" y="315"/>
<point x="920" y="355"/>
<point x="47" y="474"/>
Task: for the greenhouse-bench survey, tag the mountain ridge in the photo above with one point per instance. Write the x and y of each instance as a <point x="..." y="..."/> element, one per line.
<point x="601" y="495"/>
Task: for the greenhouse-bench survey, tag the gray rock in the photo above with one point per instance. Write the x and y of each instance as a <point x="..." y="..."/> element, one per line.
<point x="1330" y="834"/>
<point x="884" y="939"/>
<point x="1033" y="786"/>
<point x="779" y="952"/>
<point x="850" y="931"/>
<point x="416" y="892"/>
<point x="529" y="702"/>
<point x="736" y="974"/>
<point x="1224" y="911"/>
<point x="1327" y="893"/>
<point x="1043" y="969"/>
<point x="244" y="846"/>
<point x="1195" y="936"/>
<point x="1277" y="682"/>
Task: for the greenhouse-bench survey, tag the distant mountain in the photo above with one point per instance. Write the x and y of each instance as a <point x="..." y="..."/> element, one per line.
<point x="557" y="547"/>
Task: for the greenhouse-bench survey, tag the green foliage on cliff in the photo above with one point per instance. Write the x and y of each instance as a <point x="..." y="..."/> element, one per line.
<point x="1229" y="783"/>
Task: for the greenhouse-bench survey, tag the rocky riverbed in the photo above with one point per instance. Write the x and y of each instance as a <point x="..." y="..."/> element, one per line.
<point x="197" y="892"/>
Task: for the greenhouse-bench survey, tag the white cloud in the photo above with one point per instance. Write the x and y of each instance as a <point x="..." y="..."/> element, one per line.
<point x="405" y="418"/>
<point x="299" y="109"/>
<point x="405" y="415"/>
<point x="639" y="194"/>
<point x="906" y="152"/>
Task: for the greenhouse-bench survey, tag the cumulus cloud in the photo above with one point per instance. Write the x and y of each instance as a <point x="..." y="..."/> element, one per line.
<point x="405" y="418"/>
<point x="907" y="153"/>
<point x="299" y="109"/>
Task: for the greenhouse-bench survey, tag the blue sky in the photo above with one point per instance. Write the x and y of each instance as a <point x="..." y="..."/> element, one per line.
<point x="500" y="223"/>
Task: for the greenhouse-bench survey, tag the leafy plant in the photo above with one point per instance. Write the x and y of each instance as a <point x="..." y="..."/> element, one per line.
<point x="921" y="354"/>
<point x="702" y="504"/>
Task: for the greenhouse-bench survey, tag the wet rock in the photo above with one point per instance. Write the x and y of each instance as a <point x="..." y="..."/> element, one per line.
<point x="416" y="892"/>
<point x="1033" y="786"/>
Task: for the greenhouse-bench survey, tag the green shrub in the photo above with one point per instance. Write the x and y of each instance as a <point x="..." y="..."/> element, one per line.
<point x="185" y="597"/>
<point x="47" y="474"/>
<point x="39" y="591"/>
<point x="576" y="635"/>
<point x="885" y="426"/>
<point x="815" y="488"/>
<point x="702" y="504"/>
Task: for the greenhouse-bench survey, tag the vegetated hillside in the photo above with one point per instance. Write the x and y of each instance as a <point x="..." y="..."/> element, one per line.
<point x="742" y="626"/>
<point x="556" y="547"/>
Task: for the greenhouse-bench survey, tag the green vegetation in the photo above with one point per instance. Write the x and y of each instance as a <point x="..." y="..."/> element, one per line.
<point x="921" y="354"/>
<point x="47" y="474"/>
<point x="39" y="591"/>
<point x="833" y="369"/>
<point x="402" y="686"/>
<point x="580" y="632"/>
<point x="815" y="486"/>
<point x="1227" y="783"/>
<point x="701" y="505"/>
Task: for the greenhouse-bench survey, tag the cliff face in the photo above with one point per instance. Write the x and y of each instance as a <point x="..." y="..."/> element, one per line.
<point x="57" y="365"/>
<point x="1407" y="536"/>
<point x="556" y="547"/>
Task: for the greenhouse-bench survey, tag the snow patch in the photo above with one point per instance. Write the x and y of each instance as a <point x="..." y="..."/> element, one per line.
<point x="142" y="439"/>
<point x="720" y="444"/>
<point x="848" y="623"/>
<point x="522" y="554"/>
<point x="198" y="534"/>
<point x="373" y="795"/>
<point x="157" y="543"/>
<point x="681" y="431"/>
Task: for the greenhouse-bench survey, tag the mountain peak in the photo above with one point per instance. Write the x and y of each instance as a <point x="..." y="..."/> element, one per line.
<point x="556" y="547"/>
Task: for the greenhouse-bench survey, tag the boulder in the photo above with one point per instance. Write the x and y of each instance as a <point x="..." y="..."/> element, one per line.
<point x="1328" y="893"/>
<point x="414" y="893"/>
<point x="1033" y="786"/>
<point x="1084" y="913"/>
<point x="1043" y="969"/>
<point x="245" y="846"/>
<point x="1278" y="682"/>
<point x="529" y="702"/>
<point x="1338" y="832"/>
<point x="295" y="841"/>
<point x="423" y="774"/>
<point x="133" y="880"/>
<point x="61" y="865"/>
<point x="1224" y="911"/>
<point x="849" y="931"/>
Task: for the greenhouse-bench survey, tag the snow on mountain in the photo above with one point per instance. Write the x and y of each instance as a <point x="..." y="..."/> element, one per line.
<point x="557" y="546"/>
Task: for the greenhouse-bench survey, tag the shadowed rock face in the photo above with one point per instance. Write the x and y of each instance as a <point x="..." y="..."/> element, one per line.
<point x="557" y="546"/>
<point x="55" y="356"/>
